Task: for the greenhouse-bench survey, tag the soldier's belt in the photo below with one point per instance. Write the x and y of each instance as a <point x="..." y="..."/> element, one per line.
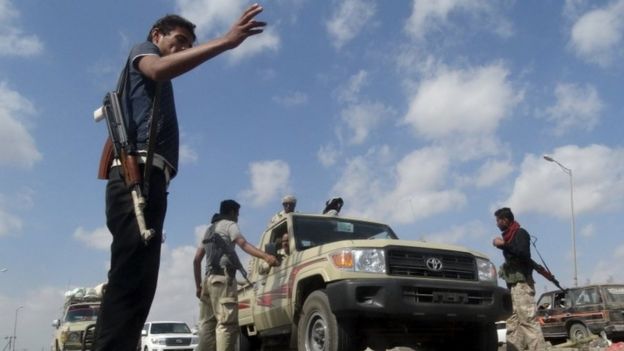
<point x="158" y="162"/>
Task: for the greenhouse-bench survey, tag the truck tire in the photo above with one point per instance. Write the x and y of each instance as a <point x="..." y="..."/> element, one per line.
<point x="319" y="330"/>
<point x="246" y="342"/>
<point x="578" y="332"/>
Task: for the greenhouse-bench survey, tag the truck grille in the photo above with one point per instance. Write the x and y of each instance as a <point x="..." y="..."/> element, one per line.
<point x="88" y="338"/>
<point x="178" y="341"/>
<point x="413" y="263"/>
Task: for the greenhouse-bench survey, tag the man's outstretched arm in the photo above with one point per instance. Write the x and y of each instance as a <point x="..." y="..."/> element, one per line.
<point x="167" y="67"/>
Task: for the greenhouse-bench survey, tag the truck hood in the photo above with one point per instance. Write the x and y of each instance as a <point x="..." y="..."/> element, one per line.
<point x="384" y="243"/>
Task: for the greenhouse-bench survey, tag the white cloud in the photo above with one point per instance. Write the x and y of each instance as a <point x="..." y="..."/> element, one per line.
<point x="457" y="234"/>
<point x="328" y="155"/>
<point x="415" y="188"/>
<point x="362" y="118"/>
<point x="350" y="92"/>
<point x="175" y="297"/>
<point x="9" y="223"/>
<point x="598" y="174"/>
<point x="99" y="238"/>
<point x="210" y="15"/>
<point x="188" y="155"/>
<point x="268" y="180"/>
<point x="597" y="35"/>
<point x="40" y="307"/>
<point x="217" y="16"/>
<point x="199" y="232"/>
<point x="576" y="106"/>
<point x="588" y="231"/>
<point x="13" y="42"/>
<point x="268" y="40"/>
<point x="17" y="146"/>
<point x="456" y="103"/>
<point x="349" y="19"/>
<point x="295" y="98"/>
<point x="491" y="172"/>
<point x="430" y="16"/>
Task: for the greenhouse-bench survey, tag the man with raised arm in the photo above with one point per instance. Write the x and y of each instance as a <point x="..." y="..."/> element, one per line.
<point x="167" y="53"/>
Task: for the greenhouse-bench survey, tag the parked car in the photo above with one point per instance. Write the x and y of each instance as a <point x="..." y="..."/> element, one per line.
<point x="578" y="312"/>
<point x="167" y="335"/>
<point x="501" y="331"/>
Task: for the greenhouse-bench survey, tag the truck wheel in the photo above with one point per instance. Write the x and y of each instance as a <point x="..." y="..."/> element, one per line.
<point x="578" y="332"/>
<point x="319" y="330"/>
<point x="246" y="342"/>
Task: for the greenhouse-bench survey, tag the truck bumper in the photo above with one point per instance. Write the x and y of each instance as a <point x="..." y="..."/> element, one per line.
<point x="419" y="301"/>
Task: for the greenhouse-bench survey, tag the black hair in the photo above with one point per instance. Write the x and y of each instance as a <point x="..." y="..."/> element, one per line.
<point x="334" y="203"/>
<point x="170" y="22"/>
<point x="228" y="206"/>
<point x="504" y="213"/>
<point x="215" y="218"/>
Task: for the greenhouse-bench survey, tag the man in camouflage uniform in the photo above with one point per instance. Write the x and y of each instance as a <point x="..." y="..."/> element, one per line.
<point x="523" y="330"/>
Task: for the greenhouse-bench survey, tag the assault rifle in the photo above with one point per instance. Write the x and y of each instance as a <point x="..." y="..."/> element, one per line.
<point x="117" y="145"/>
<point x="543" y="270"/>
<point x="228" y="252"/>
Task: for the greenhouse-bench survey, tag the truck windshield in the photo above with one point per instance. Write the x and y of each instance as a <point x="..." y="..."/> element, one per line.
<point x="82" y="313"/>
<point x="170" y="328"/>
<point x="314" y="231"/>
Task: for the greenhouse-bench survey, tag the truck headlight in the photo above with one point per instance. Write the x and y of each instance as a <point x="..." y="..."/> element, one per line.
<point x="73" y="337"/>
<point x="194" y="340"/>
<point x="159" y="341"/>
<point x="487" y="271"/>
<point x="360" y="260"/>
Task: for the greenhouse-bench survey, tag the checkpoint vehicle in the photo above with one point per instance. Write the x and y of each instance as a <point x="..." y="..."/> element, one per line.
<point x="348" y="284"/>
<point x="167" y="336"/>
<point x="578" y="312"/>
<point x="80" y="312"/>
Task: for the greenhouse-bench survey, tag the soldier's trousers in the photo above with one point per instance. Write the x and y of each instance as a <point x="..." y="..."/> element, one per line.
<point x="133" y="273"/>
<point x="218" y="314"/>
<point x="523" y="330"/>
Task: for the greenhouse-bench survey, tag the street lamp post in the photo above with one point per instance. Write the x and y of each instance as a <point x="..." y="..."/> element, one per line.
<point x="568" y="171"/>
<point x="15" y="326"/>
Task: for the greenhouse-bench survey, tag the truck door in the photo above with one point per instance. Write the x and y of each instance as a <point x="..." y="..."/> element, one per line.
<point x="272" y="302"/>
<point x="553" y="312"/>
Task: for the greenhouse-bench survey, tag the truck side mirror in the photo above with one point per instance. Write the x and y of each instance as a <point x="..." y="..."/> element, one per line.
<point x="56" y="323"/>
<point x="143" y="332"/>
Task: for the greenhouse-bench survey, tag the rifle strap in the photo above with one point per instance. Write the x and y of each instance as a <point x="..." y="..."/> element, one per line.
<point x="538" y="253"/>
<point x="151" y="141"/>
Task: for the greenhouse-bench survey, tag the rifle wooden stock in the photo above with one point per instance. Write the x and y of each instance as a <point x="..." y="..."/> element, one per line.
<point x="106" y="160"/>
<point x="546" y="274"/>
<point x="132" y="172"/>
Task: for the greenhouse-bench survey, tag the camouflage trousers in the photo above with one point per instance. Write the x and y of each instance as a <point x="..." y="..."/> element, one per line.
<point x="523" y="330"/>
<point x="218" y="314"/>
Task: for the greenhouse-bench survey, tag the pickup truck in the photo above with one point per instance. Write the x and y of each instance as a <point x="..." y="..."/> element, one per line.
<point x="348" y="284"/>
<point x="74" y="331"/>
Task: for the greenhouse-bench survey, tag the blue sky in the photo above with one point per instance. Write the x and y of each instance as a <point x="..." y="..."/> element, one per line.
<point x="427" y="115"/>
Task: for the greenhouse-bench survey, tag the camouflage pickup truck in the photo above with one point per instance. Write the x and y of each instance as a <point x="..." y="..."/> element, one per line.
<point x="348" y="284"/>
